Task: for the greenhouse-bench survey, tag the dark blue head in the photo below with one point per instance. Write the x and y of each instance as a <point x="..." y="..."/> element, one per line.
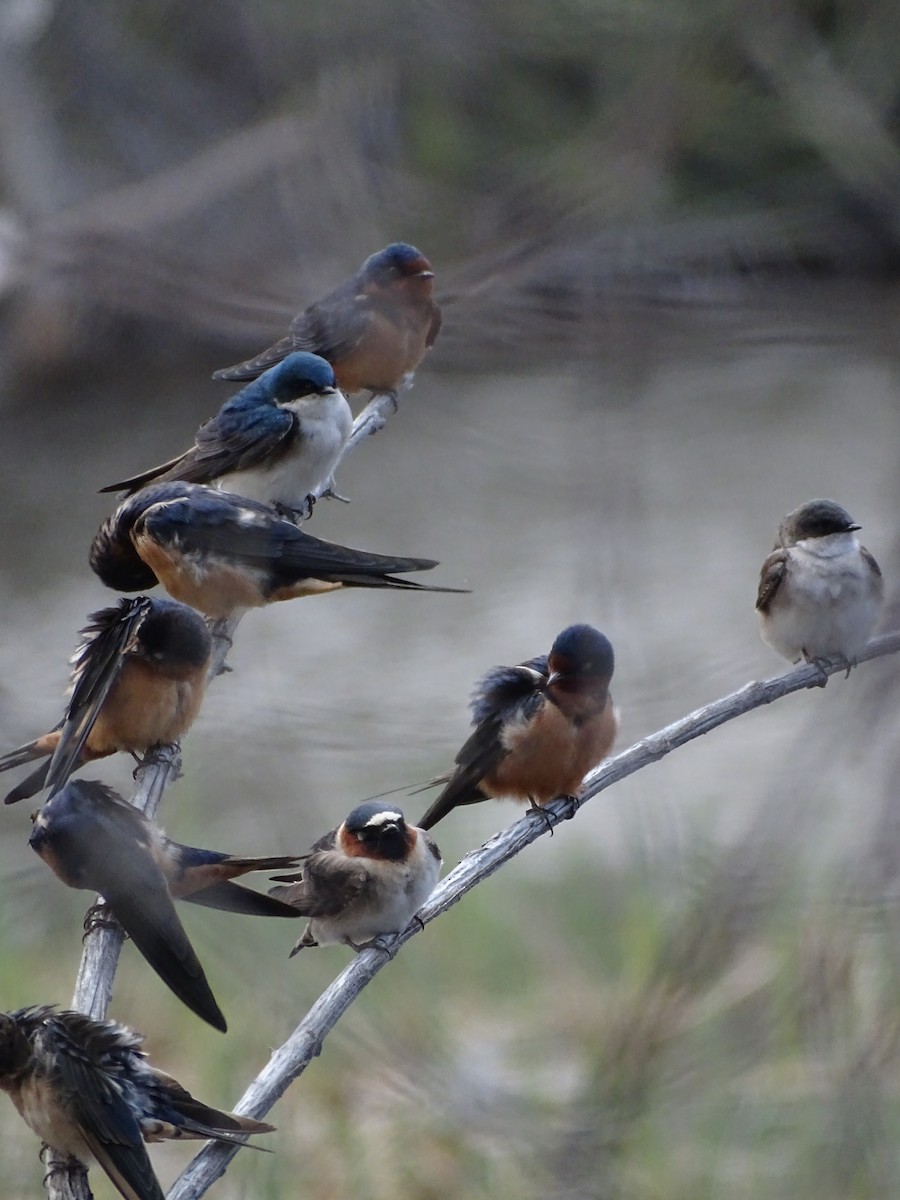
<point x="380" y="829"/>
<point x="299" y="374"/>
<point x="67" y="817"/>
<point x="396" y="262"/>
<point x="581" y="652"/>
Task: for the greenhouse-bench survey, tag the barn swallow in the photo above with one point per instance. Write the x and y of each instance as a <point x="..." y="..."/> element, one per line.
<point x="85" y="1088"/>
<point x="374" y="329"/>
<point x="91" y="838"/>
<point x="220" y="553"/>
<point x="138" y="679"/>
<point x="277" y="441"/>
<point x="364" y="879"/>
<point x="539" y="727"/>
<point x="820" y="592"/>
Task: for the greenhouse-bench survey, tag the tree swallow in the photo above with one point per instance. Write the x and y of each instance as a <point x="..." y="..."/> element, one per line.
<point x="820" y="592"/>
<point x="276" y="441"/>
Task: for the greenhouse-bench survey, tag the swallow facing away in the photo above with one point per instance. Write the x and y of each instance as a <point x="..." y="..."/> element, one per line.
<point x="374" y="329"/>
<point x="820" y="592"/>
<point x="85" y="1088"/>
<point x="91" y="838"/>
<point x="539" y="727"/>
<point x="362" y="880"/>
<point x="221" y="553"/>
<point x="277" y="441"/>
<point x="138" y="680"/>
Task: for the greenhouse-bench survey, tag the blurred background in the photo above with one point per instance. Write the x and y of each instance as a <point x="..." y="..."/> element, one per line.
<point x="667" y="242"/>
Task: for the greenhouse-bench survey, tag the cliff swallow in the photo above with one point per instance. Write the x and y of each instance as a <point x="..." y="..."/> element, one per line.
<point x="362" y="880"/>
<point x="138" y="680"/>
<point x="276" y="441"/>
<point x="92" y="838"/>
<point x="220" y="553"/>
<point x="374" y="329"/>
<point x="820" y="592"/>
<point x="539" y="727"/>
<point x="86" y="1089"/>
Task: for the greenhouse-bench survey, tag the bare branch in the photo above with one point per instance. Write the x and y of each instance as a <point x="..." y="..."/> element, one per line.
<point x="66" y="1179"/>
<point x="293" y="1057"/>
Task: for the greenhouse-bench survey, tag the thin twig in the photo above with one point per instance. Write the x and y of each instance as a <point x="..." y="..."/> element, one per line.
<point x="66" y="1179"/>
<point x="305" y="1043"/>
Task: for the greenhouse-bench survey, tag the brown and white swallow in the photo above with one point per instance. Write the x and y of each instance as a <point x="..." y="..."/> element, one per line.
<point x="820" y="592"/>
<point x="362" y="880"/>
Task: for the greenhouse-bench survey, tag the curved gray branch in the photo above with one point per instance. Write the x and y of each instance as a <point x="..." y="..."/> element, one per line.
<point x="293" y="1057"/>
<point x="66" y="1179"/>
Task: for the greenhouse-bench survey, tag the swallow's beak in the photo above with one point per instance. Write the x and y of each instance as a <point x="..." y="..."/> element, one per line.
<point x="552" y="678"/>
<point x="425" y="275"/>
<point x="853" y="528"/>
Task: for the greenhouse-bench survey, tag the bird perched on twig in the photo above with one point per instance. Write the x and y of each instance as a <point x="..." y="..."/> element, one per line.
<point x="374" y="328"/>
<point x="276" y="441"/>
<point x="138" y="680"/>
<point x="221" y="553"/>
<point x="91" y="838"/>
<point x="820" y="592"/>
<point x="86" y="1089"/>
<point x="362" y="880"/>
<point x="539" y="727"/>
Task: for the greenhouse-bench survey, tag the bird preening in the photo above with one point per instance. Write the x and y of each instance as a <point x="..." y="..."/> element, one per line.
<point x="218" y="528"/>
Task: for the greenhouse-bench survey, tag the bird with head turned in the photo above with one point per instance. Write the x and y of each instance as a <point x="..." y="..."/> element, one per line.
<point x="138" y="681"/>
<point x="374" y="328"/>
<point x="539" y="727"/>
<point x="85" y="1088"/>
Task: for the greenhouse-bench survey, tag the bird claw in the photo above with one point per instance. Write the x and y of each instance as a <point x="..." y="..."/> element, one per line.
<point x="821" y="665"/>
<point x="98" y="916"/>
<point x="297" y="515"/>
<point x="539" y="812"/>
<point x="383" y="942"/>
<point x="571" y="807"/>
<point x="160" y="756"/>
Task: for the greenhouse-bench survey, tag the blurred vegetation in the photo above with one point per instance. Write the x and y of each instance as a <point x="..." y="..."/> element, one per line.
<point x="175" y="180"/>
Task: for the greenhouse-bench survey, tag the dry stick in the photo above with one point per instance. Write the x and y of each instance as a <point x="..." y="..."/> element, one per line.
<point x="66" y="1178"/>
<point x="294" y="1056"/>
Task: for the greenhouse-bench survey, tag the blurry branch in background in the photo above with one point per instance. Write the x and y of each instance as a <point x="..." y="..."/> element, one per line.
<point x="102" y="944"/>
<point x="693" y="949"/>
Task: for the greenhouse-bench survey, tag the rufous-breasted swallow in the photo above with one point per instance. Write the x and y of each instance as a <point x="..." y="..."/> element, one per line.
<point x="374" y="329"/>
<point x="138" y="680"/>
<point x="92" y="838"/>
<point x="539" y="727"/>
<point x="362" y="880"/>
<point x="85" y="1088"/>
<point x="820" y="592"/>
<point x="276" y="441"/>
<point x="221" y="553"/>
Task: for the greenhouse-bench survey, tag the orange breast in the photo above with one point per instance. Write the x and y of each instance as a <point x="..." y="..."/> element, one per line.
<point x="144" y="708"/>
<point x="551" y="756"/>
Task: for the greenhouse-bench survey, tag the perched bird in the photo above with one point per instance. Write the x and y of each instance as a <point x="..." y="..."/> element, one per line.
<point x="220" y="553"/>
<point x="539" y="727"/>
<point x="138" y="680"/>
<point x="374" y="329"/>
<point x="820" y="592"/>
<point x="92" y="838"/>
<point x="276" y="441"/>
<point x="86" y="1089"/>
<point x="364" y="879"/>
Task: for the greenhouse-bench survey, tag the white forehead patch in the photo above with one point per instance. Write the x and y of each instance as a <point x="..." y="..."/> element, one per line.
<point x="384" y="818"/>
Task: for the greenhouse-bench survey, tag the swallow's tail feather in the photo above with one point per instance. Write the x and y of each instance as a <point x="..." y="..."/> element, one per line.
<point x="30" y="785"/>
<point x="232" y="897"/>
<point x="136" y="482"/>
<point x="244" y="371"/>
